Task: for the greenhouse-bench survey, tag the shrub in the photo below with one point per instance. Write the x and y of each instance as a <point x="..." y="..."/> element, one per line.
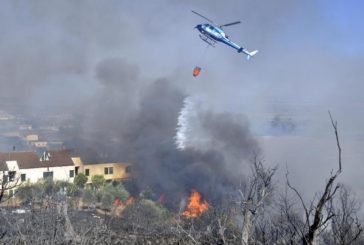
<point x="147" y="214"/>
<point x="49" y="187"/>
<point x="98" y="181"/>
<point x="117" y="191"/>
<point x="29" y="193"/>
<point x="80" y="180"/>
<point x="73" y="190"/>
<point x="107" y="201"/>
<point x="88" y="196"/>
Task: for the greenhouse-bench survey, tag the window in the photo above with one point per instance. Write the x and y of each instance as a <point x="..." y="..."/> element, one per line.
<point x="5" y="179"/>
<point x="48" y="175"/>
<point x="72" y="173"/>
<point x="76" y="170"/>
<point x="87" y="172"/>
<point x="128" y="169"/>
<point x="109" y="170"/>
<point x="11" y="175"/>
<point x="23" y="177"/>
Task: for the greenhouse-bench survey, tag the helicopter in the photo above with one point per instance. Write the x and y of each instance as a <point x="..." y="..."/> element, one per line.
<point x="212" y="33"/>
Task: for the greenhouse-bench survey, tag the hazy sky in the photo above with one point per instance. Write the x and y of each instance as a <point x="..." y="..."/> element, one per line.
<point x="311" y="60"/>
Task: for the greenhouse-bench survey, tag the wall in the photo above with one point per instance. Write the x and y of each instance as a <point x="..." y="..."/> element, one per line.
<point x="99" y="168"/>
<point x="59" y="173"/>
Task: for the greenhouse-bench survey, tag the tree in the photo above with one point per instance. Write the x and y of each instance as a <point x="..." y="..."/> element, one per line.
<point x="98" y="181"/>
<point x="30" y="193"/>
<point x="73" y="190"/>
<point x="80" y="180"/>
<point x="345" y="225"/>
<point x="88" y="198"/>
<point x="117" y="191"/>
<point x="254" y="196"/>
<point x="316" y="216"/>
<point x="8" y="182"/>
<point x="144" y="217"/>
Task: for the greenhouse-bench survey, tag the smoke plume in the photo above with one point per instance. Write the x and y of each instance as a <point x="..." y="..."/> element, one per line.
<point x="135" y="120"/>
<point x="98" y="62"/>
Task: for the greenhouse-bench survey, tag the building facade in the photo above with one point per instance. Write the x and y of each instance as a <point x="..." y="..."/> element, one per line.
<point x="59" y="165"/>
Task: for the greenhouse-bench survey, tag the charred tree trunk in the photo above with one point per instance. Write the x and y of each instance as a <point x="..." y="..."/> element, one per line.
<point x="247" y="226"/>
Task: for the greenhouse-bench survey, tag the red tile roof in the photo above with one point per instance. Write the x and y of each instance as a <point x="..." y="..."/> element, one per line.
<point x="24" y="159"/>
<point x="59" y="158"/>
<point x="28" y="160"/>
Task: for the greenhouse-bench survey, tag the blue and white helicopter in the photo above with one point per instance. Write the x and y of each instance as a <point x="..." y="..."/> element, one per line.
<point x="212" y="33"/>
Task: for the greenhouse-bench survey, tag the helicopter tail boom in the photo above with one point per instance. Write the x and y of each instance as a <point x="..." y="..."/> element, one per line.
<point x="248" y="54"/>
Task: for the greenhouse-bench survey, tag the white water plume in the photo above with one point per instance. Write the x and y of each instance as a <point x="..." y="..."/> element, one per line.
<point x="183" y="128"/>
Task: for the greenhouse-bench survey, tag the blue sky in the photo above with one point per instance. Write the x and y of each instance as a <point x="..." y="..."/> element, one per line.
<point x="346" y="17"/>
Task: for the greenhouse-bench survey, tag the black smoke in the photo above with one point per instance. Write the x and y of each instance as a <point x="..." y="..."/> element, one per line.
<point x="135" y="120"/>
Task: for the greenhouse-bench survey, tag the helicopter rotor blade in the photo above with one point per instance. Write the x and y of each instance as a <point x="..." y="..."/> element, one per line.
<point x="203" y="17"/>
<point x="232" y="23"/>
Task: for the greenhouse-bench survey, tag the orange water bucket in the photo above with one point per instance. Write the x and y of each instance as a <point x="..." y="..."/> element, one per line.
<point x="196" y="71"/>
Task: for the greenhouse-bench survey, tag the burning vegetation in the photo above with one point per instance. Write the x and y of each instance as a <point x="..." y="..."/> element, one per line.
<point x="195" y="206"/>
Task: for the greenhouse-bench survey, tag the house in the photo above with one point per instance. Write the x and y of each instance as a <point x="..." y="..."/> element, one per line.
<point x="40" y="144"/>
<point x="27" y="166"/>
<point x="111" y="171"/>
<point x="31" y="137"/>
<point x="60" y="165"/>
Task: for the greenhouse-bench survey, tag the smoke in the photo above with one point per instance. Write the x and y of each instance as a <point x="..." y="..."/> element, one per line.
<point x="213" y="168"/>
<point x="201" y="129"/>
<point x="98" y="61"/>
<point x="135" y="120"/>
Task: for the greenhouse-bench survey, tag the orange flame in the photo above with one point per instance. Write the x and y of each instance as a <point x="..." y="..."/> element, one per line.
<point x="130" y="201"/>
<point x="195" y="207"/>
<point x="161" y="198"/>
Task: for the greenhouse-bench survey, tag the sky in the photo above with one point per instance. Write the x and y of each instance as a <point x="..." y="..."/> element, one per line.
<point x="84" y="57"/>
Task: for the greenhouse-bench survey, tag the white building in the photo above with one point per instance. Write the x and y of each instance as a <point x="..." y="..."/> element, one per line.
<point x="21" y="167"/>
<point x="28" y="167"/>
<point x="31" y="137"/>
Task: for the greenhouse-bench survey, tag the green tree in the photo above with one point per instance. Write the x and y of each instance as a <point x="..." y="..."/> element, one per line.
<point x="73" y="190"/>
<point x="117" y="191"/>
<point x="98" y="181"/>
<point x="80" y="180"/>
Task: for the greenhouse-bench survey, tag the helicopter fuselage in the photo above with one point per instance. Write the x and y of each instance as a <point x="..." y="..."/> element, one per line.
<point x="212" y="34"/>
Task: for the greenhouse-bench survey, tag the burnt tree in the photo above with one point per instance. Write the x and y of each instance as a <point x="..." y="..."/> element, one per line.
<point x="317" y="217"/>
<point x="254" y="196"/>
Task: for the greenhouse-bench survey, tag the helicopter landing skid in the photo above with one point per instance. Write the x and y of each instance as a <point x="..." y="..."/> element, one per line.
<point x="208" y="40"/>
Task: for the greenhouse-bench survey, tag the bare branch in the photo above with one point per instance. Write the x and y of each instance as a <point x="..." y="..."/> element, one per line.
<point x="299" y="196"/>
<point x="334" y="125"/>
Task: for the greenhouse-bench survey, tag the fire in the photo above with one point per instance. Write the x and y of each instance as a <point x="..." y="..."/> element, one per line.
<point x="161" y="198"/>
<point x="195" y="207"/>
<point x="130" y="201"/>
